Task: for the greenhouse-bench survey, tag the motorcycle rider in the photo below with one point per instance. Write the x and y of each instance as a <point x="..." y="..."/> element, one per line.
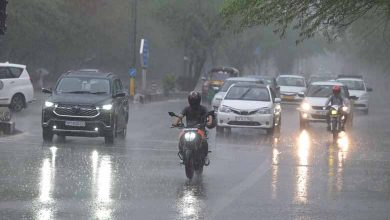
<point x="335" y="99"/>
<point x="195" y="114"/>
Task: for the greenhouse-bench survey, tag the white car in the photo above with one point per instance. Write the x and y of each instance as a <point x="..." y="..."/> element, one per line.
<point x="226" y="85"/>
<point x="357" y="87"/>
<point x="16" y="89"/>
<point x="290" y="87"/>
<point x="249" y="106"/>
<point x="312" y="106"/>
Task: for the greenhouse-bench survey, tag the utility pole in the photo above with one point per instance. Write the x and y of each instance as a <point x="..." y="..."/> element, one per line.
<point x="3" y="16"/>
<point x="133" y="68"/>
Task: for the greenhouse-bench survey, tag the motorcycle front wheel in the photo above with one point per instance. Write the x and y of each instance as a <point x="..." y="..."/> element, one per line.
<point x="189" y="165"/>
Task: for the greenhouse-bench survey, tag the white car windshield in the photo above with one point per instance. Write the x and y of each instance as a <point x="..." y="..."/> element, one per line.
<point x="353" y="84"/>
<point x="291" y="81"/>
<point x="322" y="91"/>
<point x="248" y="93"/>
<point x="83" y="85"/>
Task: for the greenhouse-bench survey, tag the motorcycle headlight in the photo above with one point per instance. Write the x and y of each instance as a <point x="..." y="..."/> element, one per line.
<point x="107" y="107"/>
<point x="49" y="104"/>
<point x="345" y="109"/>
<point x="277" y="109"/>
<point x="190" y="136"/>
<point x="333" y="112"/>
<point x="305" y="106"/>
<point x="225" y="109"/>
<point x="265" y="110"/>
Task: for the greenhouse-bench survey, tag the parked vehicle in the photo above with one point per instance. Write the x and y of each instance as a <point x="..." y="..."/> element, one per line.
<point x="86" y="103"/>
<point x="357" y="87"/>
<point x="215" y="79"/>
<point x="249" y="106"/>
<point x="290" y="86"/>
<point x="312" y="106"/>
<point x="16" y="89"/>
<point x="191" y="139"/>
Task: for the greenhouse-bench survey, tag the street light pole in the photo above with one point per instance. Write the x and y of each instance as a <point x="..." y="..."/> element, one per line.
<point x="134" y="48"/>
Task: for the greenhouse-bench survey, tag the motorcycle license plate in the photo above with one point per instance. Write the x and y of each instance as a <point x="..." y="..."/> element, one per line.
<point x="243" y="119"/>
<point x="75" y="123"/>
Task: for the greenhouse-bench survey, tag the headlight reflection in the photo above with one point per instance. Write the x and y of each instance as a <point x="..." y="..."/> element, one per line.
<point x="304" y="143"/>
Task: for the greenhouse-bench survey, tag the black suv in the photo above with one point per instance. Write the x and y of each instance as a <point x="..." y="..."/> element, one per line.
<point x="86" y="103"/>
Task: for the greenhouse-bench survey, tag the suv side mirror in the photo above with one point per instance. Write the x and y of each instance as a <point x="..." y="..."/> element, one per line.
<point x="278" y="100"/>
<point x="369" y="89"/>
<point x="301" y="94"/>
<point x="48" y="91"/>
<point x="119" y="94"/>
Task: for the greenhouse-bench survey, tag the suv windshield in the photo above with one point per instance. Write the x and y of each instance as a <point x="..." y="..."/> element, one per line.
<point x="291" y="81"/>
<point x="353" y="84"/>
<point x="248" y="93"/>
<point x="83" y="85"/>
<point x="323" y="91"/>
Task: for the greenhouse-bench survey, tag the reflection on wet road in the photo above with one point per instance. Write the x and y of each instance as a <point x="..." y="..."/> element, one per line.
<point x="292" y="175"/>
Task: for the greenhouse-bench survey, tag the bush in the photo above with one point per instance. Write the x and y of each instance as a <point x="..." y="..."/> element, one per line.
<point x="169" y="83"/>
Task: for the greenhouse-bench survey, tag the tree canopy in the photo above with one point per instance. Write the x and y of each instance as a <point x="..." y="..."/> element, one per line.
<point x="328" y="17"/>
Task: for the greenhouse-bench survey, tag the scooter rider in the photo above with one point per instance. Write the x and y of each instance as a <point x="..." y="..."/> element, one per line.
<point x="335" y="99"/>
<point x="195" y="114"/>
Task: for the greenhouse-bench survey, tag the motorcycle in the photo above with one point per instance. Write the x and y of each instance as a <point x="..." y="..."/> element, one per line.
<point x="190" y="143"/>
<point x="337" y="120"/>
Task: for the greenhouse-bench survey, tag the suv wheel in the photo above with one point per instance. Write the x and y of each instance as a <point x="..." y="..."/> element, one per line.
<point x="47" y="135"/>
<point x="17" y="103"/>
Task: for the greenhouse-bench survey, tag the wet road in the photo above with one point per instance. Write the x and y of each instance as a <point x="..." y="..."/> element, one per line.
<point x="300" y="175"/>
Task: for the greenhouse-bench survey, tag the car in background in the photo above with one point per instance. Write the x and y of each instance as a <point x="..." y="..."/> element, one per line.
<point x="226" y="85"/>
<point x="357" y="87"/>
<point x="319" y="78"/>
<point x="86" y="103"/>
<point x="312" y="106"/>
<point x="249" y="105"/>
<point x="213" y="81"/>
<point x="16" y="89"/>
<point x="290" y="87"/>
<point x="269" y="80"/>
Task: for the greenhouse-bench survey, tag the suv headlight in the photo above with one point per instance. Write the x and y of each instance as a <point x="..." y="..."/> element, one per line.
<point x="305" y="106"/>
<point x="107" y="107"/>
<point x="225" y="109"/>
<point x="264" y="110"/>
<point x="49" y="104"/>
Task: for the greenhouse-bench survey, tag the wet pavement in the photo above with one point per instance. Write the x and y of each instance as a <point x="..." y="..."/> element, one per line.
<point x="297" y="175"/>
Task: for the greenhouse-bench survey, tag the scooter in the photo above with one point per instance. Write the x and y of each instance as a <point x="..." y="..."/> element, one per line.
<point x="190" y="143"/>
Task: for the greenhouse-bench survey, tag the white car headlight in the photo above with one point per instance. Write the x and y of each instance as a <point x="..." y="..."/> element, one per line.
<point x="305" y="106"/>
<point x="107" y="107"/>
<point x="49" y="104"/>
<point x="190" y="136"/>
<point x="264" y="110"/>
<point x="225" y="109"/>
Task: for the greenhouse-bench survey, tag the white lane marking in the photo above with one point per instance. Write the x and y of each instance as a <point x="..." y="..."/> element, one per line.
<point x="235" y="192"/>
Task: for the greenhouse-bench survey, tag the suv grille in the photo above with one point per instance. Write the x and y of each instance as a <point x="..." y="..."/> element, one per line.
<point x="242" y="112"/>
<point x="76" y="111"/>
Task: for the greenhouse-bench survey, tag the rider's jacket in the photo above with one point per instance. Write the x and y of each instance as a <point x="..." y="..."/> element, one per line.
<point x="194" y="116"/>
<point x="335" y="100"/>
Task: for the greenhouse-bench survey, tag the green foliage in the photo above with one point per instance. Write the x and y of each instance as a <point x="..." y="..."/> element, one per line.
<point x="169" y="82"/>
<point x="330" y="17"/>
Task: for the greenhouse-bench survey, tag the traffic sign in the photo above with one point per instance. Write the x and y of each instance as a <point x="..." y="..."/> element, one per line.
<point x="132" y="72"/>
<point x="144" y="52"/>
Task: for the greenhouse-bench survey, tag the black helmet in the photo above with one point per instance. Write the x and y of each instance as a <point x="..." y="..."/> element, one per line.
<point x="194" y="99"/>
